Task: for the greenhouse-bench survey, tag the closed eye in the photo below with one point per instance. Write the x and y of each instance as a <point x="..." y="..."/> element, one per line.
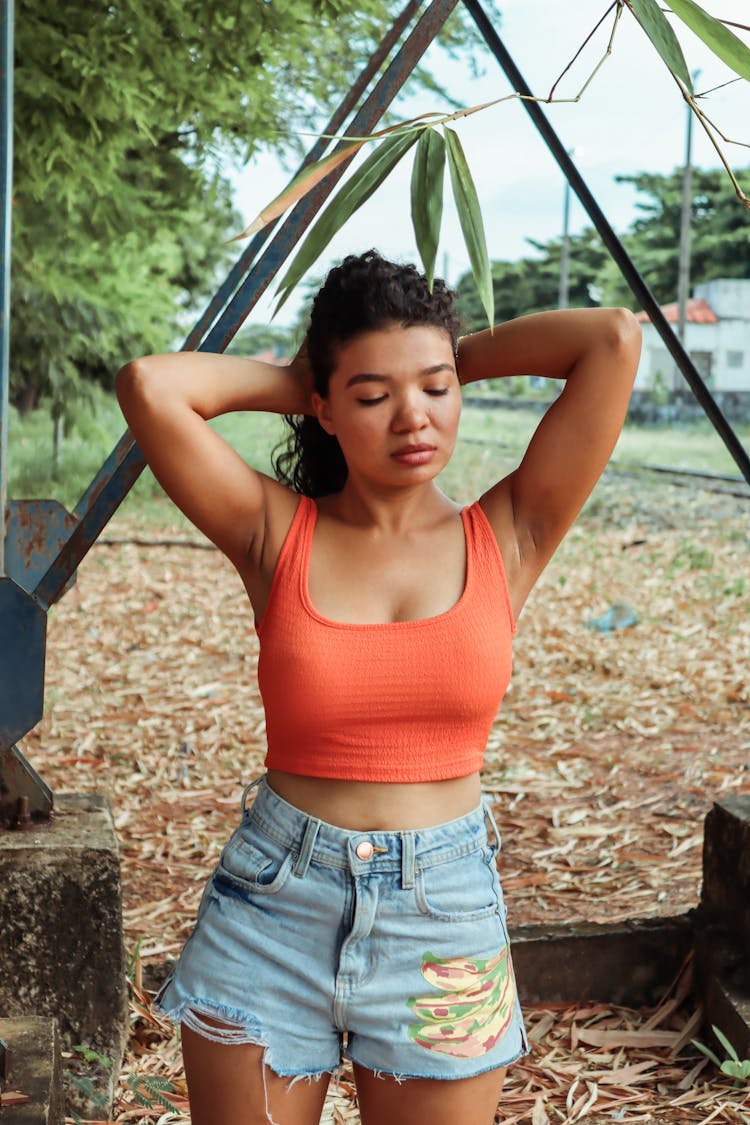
<point x="436" y="390"/>
<point x="371" y="401"/>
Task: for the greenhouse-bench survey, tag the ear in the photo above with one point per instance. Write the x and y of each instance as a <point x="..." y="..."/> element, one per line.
<point x="322" y="412"/>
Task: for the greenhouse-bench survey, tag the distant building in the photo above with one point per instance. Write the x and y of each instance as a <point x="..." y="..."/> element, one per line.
<point x="717" y="339"/>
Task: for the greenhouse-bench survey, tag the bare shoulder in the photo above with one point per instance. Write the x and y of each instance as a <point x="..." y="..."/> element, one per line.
<point x="497" y="505"/>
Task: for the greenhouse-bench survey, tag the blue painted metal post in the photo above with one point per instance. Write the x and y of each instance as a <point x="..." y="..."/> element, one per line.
<point x="6" y="195"/>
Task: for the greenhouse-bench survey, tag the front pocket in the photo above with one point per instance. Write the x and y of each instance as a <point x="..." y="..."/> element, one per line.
<point x="253" y="864"/>
<point x="460" y="890"/>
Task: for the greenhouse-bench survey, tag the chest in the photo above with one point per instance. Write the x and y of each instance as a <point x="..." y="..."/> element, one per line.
<point x="365" y="578"/>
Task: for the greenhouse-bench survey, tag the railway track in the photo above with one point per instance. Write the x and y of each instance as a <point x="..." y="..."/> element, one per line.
<point x="685" y="478"/>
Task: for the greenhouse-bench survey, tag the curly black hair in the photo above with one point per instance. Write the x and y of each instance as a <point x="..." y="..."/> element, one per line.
<point x="364" y="293"/>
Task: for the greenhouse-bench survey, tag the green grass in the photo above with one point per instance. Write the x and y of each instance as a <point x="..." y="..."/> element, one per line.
<point x="693" y="446"/>
<point x="474" y="467"/>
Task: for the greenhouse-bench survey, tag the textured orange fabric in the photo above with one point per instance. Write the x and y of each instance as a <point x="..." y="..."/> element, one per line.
<point x="403" y="702"/>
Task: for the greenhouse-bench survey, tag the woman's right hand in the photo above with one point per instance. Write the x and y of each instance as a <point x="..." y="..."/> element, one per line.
<point x="300" y="366"/>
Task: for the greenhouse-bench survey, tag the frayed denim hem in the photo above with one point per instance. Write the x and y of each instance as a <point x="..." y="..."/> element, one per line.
<point x="400" y="1077"/>
<point x="234" y="1028"/>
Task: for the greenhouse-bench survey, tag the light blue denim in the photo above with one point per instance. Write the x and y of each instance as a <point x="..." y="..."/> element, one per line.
<point x="390" y="948"/>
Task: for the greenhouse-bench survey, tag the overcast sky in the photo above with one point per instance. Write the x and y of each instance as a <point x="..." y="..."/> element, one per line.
<point x="630" y="119"/>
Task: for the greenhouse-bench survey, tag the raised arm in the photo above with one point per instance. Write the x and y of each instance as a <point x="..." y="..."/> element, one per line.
<point x="595" y="351"/>
<point x="167" y="401"/>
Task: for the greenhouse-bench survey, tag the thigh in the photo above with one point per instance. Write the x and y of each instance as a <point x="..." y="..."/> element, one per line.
<point x="384" y="1100"/>
<point x="228" y="1084"/>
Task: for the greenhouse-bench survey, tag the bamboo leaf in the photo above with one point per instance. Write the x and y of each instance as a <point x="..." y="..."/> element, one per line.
<point x="311" y="176"/>
<point x="659" y="30"/>
<point x="351" y="196"/>
<point x="470" y="217"/>
<point x="427" y="197"/>
<point x="299" y="187"/>
<point x="723" y="42"/>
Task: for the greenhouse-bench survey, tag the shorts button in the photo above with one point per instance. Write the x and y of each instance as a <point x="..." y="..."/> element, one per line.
<point x="364" y="850"/>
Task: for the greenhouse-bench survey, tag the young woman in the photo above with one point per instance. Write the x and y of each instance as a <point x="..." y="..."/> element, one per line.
<point x="357" y="907"/>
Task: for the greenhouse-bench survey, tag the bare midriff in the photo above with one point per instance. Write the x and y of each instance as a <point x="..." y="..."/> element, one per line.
<point x="371" y="806"/>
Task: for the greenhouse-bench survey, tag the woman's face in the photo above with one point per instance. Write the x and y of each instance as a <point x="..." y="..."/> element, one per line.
<point x="393" y="403"/>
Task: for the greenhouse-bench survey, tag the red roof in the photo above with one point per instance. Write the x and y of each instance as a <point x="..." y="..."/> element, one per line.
<point x="697" y="311"/>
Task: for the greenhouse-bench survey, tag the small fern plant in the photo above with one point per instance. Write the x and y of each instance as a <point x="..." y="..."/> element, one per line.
<point x="150" y="1091"/>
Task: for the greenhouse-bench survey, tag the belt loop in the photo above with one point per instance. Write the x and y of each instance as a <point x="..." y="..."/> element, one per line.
<point x="407" y="860"/>
<point x="245" y="792"/>
<point x="490" y="820"/>
<point x="306" y="851"/>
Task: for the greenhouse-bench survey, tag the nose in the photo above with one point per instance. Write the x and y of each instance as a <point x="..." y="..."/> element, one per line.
<point x="410" y="414"/>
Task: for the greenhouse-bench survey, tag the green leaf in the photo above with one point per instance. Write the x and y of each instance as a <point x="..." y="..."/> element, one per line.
<point x="470" y="217"/>
<point x="351" y="196"/>
<point x="427" y="197"/>
<point x="723" y="42"/>
<point x="725" y="1042"/>
<point x="707" y="1052"/>
<point x="736" y="1069"/>
<point x="659" y="30"/>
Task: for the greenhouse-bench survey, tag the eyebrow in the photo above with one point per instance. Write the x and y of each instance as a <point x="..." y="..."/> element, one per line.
<point x="368" y="377"/>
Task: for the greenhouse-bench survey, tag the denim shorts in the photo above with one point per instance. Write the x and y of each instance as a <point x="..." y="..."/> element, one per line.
<point x="389" y="948"/>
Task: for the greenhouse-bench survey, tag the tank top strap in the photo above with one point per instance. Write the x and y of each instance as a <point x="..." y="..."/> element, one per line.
<point x="291" y="565"/>
<point x="486" y="559"/>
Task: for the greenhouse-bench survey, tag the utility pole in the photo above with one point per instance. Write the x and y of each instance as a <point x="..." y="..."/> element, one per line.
<point x="683" y="268"/>
<point x="564" y="287"/>
<point x="563" y="292"/>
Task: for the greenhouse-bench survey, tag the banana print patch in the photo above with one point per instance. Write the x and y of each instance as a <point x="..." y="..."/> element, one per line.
<point x="476" y="1008"/>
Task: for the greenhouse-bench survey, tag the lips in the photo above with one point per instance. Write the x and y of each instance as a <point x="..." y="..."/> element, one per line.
<point x="415" y="454"/>
<point x="413" y="448"/>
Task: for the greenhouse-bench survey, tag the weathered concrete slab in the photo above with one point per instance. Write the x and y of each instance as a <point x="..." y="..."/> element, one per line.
<point x="629" y="962"/>
<point x="727" y="1005"/>
<point x="722" y="942"/>
<point x="61" y="942"/>
<point x="726" y="866"/>
<point x="33" y="1070"/>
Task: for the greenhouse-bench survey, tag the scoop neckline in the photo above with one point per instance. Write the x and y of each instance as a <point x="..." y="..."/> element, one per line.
<point x="310" y="609"/>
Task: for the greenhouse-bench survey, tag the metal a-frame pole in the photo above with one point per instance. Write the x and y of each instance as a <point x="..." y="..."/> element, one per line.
<point x="23" y="610"/>
<point x="125" y="463"/>
<point x="639" y="287"/>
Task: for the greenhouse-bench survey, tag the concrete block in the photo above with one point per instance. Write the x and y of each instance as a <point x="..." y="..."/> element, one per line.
<point x="61" y="940"/>
<point x="722" y="941"/>
<point x="726" y="866"/>
<point x="33" y="1070"/>
<point x="630" y="962"/>
<point x="727" y="1006"/>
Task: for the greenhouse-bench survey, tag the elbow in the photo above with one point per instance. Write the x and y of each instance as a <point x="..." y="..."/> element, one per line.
<point x="624" y="331"/>
<point x="624" y="339"/>
<point x="131" y="381"/>
<point x="126" y="379"/>
<point x="132" y="389"/>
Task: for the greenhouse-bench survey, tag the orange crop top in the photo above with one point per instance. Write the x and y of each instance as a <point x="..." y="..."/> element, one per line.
<point x="402" y="702"/>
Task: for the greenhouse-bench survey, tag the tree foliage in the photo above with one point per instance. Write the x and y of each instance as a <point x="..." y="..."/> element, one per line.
<point x="532" y="284"/>
<point x="720" y="247"/>
<point x="719" y="234"/>
<point x="127" y="116"/>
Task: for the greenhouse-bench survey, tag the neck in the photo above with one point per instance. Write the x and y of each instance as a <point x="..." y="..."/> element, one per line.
<point x="394" y="510"/>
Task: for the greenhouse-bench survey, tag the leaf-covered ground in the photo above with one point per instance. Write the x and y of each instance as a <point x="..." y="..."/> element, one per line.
<point x="606" y="756"/>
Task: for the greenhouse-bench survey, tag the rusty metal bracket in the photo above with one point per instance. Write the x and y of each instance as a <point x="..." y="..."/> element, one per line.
<point x="26" y="801"/>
